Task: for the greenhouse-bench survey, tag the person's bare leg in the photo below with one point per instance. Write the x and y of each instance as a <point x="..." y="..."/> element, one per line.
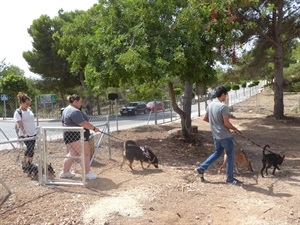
<point x="74" y="150"/>
<point x="30" y="160"/>
<point x="87" y="156"/>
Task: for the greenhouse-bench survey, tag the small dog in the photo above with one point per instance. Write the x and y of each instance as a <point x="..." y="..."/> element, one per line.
<point x="134" y="152"/>
<point x="32" y="170"/>
<point x="240" y="157"/>
<point x="271" y="159"/>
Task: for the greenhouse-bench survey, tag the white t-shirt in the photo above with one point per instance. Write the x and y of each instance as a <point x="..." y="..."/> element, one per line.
<point x="27" y="120"/>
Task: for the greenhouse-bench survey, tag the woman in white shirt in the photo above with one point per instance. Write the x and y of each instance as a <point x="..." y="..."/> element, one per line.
<point x="24" y="118"/>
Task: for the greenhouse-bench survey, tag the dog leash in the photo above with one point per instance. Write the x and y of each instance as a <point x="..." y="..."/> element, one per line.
<point x="111" y="136"/>
<point x="250" y="140"/>
<point x="237" y="144"/>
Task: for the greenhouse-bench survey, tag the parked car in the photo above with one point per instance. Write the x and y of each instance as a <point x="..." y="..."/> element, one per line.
<point x="194" y="99"/>
<point x="133" y="108"/>
<point x="201" y="97"/>
<point x="211" y="95"/>
<point x="151" y="105"/>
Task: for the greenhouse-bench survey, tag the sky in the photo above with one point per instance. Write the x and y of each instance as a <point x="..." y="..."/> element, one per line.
<point x="16" y="16"/>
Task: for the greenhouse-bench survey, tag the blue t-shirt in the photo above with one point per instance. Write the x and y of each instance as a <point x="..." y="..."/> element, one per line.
<point x="215" y="111"/>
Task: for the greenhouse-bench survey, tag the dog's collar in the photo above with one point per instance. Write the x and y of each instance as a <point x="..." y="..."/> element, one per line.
<point x="145" y="152"/>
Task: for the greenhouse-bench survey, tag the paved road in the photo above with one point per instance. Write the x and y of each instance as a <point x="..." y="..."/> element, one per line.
<point x="126" y="122"/>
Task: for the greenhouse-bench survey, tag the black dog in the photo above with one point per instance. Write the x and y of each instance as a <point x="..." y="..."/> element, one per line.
<point x="271" y="159"/>
<point x="32" y="170"/>
<point x="134" y="152"/>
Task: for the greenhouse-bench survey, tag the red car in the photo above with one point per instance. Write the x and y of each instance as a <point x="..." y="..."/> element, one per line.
<point x="159" y="106"/>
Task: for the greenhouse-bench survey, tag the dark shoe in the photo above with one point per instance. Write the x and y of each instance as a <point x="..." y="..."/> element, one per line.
<point x="201" y="173"/>
<point x="25" y="166"/>
<point x="235" y="182"/>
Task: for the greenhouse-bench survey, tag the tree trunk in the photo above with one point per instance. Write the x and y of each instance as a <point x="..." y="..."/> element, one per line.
<point x="278" y="111"/>
<point x="187" y="105"/>
<point x="185" y="121"/>
<point x="88" y="105"/>
<point x="62" y="98"/>
<point x="98" y="105"/>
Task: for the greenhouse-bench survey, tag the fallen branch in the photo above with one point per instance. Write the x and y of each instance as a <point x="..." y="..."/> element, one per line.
<point x="268" y="209"/>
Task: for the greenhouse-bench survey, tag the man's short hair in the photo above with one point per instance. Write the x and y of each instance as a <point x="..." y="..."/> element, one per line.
<point x="220" y="90"/>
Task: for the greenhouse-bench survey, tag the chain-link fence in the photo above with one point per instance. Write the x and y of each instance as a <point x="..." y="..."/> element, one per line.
<point x="242" y="94"/>
<point x="61" y="148"/>
<point x="59" y="153"/>
<point x="12" y="161"/>
<point x="8" y="106"/>
<point x="48" y="107"/>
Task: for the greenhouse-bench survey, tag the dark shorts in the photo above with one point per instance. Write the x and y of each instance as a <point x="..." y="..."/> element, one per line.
<point x="29" y="152"/>
<point x="72" y="136"/>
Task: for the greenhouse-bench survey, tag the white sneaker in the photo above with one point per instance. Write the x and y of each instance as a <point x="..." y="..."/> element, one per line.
<point x="90" y="176"/>
<point x="66" y="175"/>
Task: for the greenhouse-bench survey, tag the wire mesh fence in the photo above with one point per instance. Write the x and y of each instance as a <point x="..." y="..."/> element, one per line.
<point x="12" y="164"/>
<point x="61" y="147"/>
<point x="54" y="150"/>
<point x="51" y="154"/>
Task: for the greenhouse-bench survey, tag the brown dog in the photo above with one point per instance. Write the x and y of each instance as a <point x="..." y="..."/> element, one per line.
<point x="240" y="157"/>
<point x="134" y="152"/>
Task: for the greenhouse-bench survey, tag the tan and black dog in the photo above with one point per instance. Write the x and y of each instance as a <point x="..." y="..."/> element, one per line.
<point x="240" y="158"/>
<point x="32" y="170"/>
<point x="134" y="152"/>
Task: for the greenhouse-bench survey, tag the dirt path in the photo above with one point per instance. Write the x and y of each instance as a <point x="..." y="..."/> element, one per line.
<point x="173" y="193"/>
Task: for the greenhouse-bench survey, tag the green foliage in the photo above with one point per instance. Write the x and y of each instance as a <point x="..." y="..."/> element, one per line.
<point x="227" y="86"/>
<point x="235" y="87"/>
<point x="44" y="58"/>
<point x="244" y="84"/>
<point x="144" y="41"/>
<point x="265" y="23"/>
<point x="253" y="83"/>
<point x="13" y="81"/>
<point x="275" y="29"/>
<point x="2" y="66"/>
<point x="295" y="87"/>
<point x="11" y="84"/>
<point x="292" y="73"/>
<point x="8" y="70"/>
<point x="146" y="92"/>
<point x="178" y="91"/>
<point x="32" y="87"/>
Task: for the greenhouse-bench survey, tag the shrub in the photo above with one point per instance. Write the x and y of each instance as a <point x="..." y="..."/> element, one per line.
<point x="296" y="87"/>
<point x="235" y="87"/>
<point x="177" y="91"/>
<point x="227" y="86"/>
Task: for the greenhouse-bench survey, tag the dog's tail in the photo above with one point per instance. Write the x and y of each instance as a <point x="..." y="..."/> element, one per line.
<point x="264" y="150"/>
<point x="129" y="143"/>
